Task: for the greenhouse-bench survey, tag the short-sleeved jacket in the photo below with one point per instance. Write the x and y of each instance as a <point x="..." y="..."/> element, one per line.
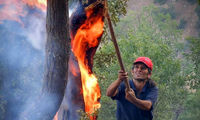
<point x="127" y="110"/>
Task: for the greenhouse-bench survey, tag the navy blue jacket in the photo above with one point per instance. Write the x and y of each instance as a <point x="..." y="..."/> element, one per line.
<point x="127" y="110"/>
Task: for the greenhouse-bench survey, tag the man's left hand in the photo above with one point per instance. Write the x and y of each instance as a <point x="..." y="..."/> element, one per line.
<point x="130" y="95"/>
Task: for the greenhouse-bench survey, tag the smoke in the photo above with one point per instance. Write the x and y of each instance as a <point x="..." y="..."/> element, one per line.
<point x="23" y="37"/>
<point x="36" y="32"/>
<point x="11" y="10"/>
<point x="22" y="41"/>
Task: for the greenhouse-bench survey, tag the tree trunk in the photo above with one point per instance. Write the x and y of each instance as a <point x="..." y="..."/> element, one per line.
<point x="57" y="47"/>
<point x="56" y="63"/>
<point x="57" y="55"/>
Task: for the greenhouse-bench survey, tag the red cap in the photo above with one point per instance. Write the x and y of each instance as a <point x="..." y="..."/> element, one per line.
<point x="146" y="61"/>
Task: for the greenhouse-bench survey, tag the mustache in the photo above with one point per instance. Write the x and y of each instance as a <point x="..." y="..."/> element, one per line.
<point x="140" y="80"/>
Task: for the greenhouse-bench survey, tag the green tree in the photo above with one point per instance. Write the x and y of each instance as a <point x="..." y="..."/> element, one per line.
<point x="192" y="107"/>
<point x="193" y="56"/>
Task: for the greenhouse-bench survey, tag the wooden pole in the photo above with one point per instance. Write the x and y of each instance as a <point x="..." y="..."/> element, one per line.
<point x="115" y="43"/>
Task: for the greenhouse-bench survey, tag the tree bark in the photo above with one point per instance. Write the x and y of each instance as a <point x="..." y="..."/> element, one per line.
<point x="57" y="46"/>
<point x="57" y="55"/>
<point x="57" y="52"/>
<point x="56" y="63"/>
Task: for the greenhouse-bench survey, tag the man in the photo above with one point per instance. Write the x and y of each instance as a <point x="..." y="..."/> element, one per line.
<point x="138" y="102"/>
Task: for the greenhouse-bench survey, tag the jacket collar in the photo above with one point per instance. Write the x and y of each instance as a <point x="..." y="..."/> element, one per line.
<point x="133" y="86"/>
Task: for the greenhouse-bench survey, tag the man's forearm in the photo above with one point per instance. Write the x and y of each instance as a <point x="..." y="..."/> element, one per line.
<point x="142" y="104"/>
<point x="112" y="89"/>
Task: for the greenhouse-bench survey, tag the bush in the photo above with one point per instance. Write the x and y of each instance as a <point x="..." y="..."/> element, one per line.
<point x="192" y="107"/>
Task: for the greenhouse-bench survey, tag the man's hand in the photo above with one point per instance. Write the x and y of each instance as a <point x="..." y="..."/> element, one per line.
<point x="130" y="95"/>
<point x="122" y="75"/>
<point x="142" y="104"/>
<point x="112" y="90"/>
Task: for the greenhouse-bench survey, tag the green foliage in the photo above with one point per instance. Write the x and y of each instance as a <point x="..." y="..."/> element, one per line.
<point x="117" y="8"/>
<point x="191" y="107"/>
<point x="145" y="34"/>
<point x="193" y="55"/>
<point x="87" y="116"/>
<point x="161" y="2"/>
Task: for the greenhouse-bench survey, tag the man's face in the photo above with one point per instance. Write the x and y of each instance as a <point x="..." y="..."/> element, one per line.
<point x="140" y="72"/>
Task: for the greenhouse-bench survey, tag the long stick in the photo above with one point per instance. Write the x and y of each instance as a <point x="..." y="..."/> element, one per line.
<point x="115" y="44"/>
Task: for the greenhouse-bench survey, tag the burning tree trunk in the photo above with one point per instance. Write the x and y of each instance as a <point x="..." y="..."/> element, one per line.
<point x="82" y="91"/>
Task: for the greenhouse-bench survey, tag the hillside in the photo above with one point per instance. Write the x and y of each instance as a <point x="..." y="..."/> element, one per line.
<point x="183" y="11"/>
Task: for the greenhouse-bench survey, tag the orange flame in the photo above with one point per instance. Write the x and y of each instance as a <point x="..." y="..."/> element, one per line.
<point x="56" y="116"/>
<point x="86" y="37"/>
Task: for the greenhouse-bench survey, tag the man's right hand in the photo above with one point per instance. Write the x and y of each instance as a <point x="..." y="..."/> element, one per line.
<point x="112" y="90"/>
<point x="122" y="75"/>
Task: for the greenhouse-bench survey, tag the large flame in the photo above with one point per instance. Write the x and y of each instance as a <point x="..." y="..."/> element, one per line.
<point x="86" y="37"/>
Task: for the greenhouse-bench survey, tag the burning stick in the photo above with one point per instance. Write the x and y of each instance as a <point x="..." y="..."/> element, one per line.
<point x="115" y="42"/>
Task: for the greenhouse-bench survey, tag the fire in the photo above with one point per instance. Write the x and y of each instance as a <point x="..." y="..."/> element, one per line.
<point x="56" y="116"/>
<point x="86" y="37"/>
